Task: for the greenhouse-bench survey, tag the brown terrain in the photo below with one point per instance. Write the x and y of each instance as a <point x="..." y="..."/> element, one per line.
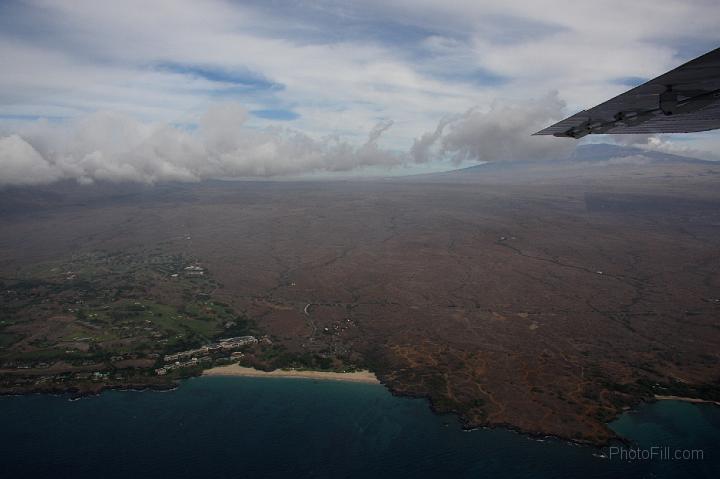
<point x="542" y="297"/>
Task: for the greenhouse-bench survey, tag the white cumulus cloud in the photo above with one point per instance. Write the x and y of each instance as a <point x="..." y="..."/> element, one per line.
<point x="21" y="164"/>
<point x="111" y="146"/>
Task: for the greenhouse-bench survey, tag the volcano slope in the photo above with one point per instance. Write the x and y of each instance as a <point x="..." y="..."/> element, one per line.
<point x="542" y="297"/>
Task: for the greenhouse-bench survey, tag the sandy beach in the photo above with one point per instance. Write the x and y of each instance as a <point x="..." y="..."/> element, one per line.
<point x="680" y="398"/>
<point x="363" y="376"/>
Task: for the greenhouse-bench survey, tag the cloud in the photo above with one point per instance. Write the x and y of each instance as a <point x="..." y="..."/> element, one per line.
<point x="112" y="146"/>
<point x="699" y="145"/>
<point x="501" y="133"/>
<point x="21" y="164"/>
<point x="422" y="148"/>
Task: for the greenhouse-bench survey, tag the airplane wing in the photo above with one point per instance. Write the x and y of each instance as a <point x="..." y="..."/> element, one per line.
<point x="682" y="100"/>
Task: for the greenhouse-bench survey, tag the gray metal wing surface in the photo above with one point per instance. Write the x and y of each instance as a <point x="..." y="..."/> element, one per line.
<point x="683" y="100"/>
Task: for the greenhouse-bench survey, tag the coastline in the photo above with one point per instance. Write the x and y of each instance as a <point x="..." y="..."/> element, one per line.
<point x="661" y="397"/>
<point x="363" y="376"/>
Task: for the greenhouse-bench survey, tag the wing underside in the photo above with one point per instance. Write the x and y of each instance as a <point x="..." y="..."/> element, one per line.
<point x="683" y="100"/>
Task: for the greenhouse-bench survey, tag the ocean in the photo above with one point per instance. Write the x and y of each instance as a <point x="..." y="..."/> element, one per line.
<point x="217" y="427"/>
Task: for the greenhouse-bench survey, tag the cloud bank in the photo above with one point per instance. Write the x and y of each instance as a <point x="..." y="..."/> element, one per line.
<point x="703" y="147"/>
<point x="502" y="133"/>
<point x="111" y="146"/>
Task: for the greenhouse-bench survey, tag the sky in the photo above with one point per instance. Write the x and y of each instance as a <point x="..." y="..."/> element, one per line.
<point x="187" y="90"/>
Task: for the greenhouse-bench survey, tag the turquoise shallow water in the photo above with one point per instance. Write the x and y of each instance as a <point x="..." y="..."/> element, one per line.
<point x="269" y="427"/>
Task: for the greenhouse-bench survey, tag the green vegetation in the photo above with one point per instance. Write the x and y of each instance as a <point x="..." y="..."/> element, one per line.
<point x="93" y="307"/>
<point x="278" y="357"/>
<point x="8" y="339"/>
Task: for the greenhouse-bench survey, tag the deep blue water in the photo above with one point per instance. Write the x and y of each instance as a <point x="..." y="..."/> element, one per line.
<point x="215" y="427"/>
